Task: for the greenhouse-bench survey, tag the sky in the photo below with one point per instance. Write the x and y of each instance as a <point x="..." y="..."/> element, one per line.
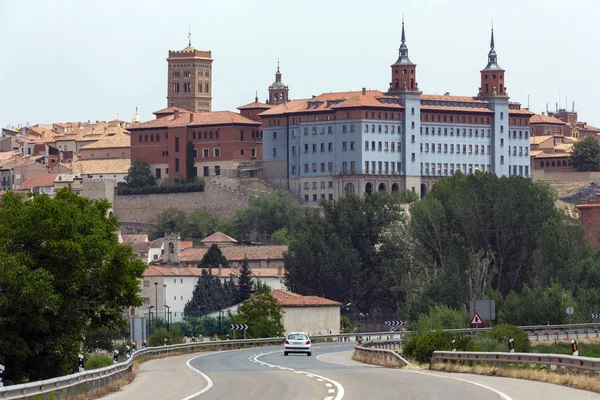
<point x="79" y="60"/>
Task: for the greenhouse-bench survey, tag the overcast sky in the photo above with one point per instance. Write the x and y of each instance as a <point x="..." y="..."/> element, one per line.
<point x="79" y="60"/>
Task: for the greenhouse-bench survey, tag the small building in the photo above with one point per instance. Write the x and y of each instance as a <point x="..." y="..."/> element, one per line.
<point x="220" y="239"/>
<point x="311" y="314"/>
<point x="589" y="216"/>
<point x="39" y="184"/>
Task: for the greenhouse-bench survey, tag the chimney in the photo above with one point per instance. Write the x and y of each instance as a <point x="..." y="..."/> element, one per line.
<point x="447" y="94"/>
<point x="364" y="91"/>
<point x="176" y="114"/>
<point x="191" y="117"/>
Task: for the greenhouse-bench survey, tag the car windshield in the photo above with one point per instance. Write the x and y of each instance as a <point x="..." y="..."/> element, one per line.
<point x="297" y="336"/>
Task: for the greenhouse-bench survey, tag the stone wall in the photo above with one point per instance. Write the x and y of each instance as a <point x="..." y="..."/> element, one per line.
<point x="145" y="208"/>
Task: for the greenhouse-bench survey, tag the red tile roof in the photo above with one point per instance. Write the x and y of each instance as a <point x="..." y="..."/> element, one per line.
<point x="254" y="105"/>
<point x="290" y="299"/>
<point x="153" y="270"/>
<point x="236" y="253"/>
<point x="39" y="181"/>
<point x="170" y="110"/>
<point x="198" y="119"/>
<point x="545" y="119"/>
<point x="219" y="237"/>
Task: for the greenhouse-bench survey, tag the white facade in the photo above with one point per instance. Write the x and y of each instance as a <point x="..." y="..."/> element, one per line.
<point x="312" y="320"/>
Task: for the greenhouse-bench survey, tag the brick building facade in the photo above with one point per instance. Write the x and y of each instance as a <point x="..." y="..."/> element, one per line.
<point x="221" y="140"/>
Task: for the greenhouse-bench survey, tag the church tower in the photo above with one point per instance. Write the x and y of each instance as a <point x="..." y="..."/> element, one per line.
<point x="404" y="71"/>
<point x="278" y="92"/>
<point x="189" y="81"/>
<point x="492" y="76"/>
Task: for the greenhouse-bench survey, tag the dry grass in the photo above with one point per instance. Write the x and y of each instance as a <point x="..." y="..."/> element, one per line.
<point x="580" y="340"/>
<point x="586" y="382"/>
<point x="373" y="359"/>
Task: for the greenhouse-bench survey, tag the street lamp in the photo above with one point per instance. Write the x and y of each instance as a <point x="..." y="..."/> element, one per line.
<point x="156" y="297"/>
<point x="168" y="308"/>
<point x="150" y="320"/>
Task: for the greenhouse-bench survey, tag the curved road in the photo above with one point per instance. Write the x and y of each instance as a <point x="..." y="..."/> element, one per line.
<point x="329" y="374"/>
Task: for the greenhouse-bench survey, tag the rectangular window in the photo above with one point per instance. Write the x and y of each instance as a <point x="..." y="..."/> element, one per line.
<point x="352" y="146"/>
<point x="343" y="128"/>
<point x="293" y="150"/>
<point x="379" y="146"/>
<point x="330" y="184"/>
<point x="176" y="144"/>
<point x="177" y="165"/>
<point x="322" y="147"/>
<point x="306" y="147"/>
<point x="366" y="145"/>
<point x="217" y="153"/>
<point x="329" y="146"/>
<point x="351" y="128"/>
<point x="293" y="170"/>
<point x="306" y="168"/>
<point x="412" y="138"/>
<point x="314" y="167"/>
<point x="373" y="146"/>
<point x="330" y="167"/>
<point x="344" y="146"/>
<point x="393" y="144"/>
<point x="314" y="147"/>
<point x="306" y="131"/>
<point x="314" y="185"/>
<point x="274" y="152"/>
<point x="323" y="168"/>
<point x="158" y="173"/>
<point x="366" y="167"/>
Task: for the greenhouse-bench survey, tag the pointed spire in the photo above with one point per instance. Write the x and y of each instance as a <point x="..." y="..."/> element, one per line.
<point x="189" y="35"/>
<point x="492" y="40"/>
<point x="403" y="35"/>
<point x="256" y="98"/>
<point x="277" y="64"/>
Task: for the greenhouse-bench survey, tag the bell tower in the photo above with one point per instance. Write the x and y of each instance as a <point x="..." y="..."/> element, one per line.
<point x="404" y="71"/>
<point x="278" y="91"/>
<point x="492" y="76"/>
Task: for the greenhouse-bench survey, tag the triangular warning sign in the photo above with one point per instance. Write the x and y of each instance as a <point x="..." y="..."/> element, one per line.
<point x="476" y="320"/>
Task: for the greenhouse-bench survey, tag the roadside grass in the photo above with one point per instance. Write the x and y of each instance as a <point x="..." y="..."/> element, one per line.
<point x="579" y="381"/>
<point x="587" y="347"/>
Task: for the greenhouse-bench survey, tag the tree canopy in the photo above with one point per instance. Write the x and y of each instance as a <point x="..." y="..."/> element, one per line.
<point x="139" y="175"/>
<point x="194" y="226"/>
<point x="213" y="258"/>
<point x="62" y="272"/>
<point x="585" y="155"/>
<point x="209" y="295"/>
<point x="245" y="282"/>
<point x="262" y="313"/>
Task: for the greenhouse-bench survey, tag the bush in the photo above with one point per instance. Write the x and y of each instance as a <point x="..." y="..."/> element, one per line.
<point x="191" y="185"/>
<point x="94" y="361"/>
<point x="441" y="317"/>
<point x="428" y="342"/>
<point x="484" y="343"/>
<point x="504" y="332"/>
<point x="173" y="337"/>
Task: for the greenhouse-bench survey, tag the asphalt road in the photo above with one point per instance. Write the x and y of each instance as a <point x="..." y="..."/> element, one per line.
<point x="329" y="374"/>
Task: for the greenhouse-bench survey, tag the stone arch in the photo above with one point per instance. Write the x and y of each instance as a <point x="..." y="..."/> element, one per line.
<point x="423" y="190"/>
<point x="382" y="187"/>
<point x="349" y="189"/>
<point x="395" y="188"/>
<point x="369" y="188"/>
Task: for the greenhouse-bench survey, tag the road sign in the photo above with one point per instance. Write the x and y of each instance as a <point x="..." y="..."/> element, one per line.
<point x="570" y="310"/>
<point x="239" y="327"/>
<point x="394" y="323"/>
<point x="485" y="308"/>
<point x="476" y="320"/>
<point x="595" y="316"/>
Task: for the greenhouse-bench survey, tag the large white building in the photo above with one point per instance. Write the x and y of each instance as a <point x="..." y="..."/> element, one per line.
<point x="343" y="143"/>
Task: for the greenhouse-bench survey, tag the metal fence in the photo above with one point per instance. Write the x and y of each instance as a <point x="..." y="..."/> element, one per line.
<point x="548" y="362"/>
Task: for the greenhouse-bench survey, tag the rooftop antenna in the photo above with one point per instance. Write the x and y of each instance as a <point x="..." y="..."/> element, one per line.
<point x="189" y="35"/>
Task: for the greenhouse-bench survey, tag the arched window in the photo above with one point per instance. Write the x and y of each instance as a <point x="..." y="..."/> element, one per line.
<point x="564" y="163"/>
<point x="171" y="248"/>
<point x="145" y="138"/>
<point x="152" y="137"/>
<point x="349" y="189"/>
<point x="382" y="187"/>
<point x="395" y="188"/>
<point x="369" y="188"/>
<point x="553" y="164"/>
<point x="423" y="190"/>
<point x="542" y="164"/>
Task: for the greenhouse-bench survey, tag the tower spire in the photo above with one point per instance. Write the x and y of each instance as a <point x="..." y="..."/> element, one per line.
<point x="189" y="35"/>
<point x="277" y="64"/>
<point x="256" y="97"/>
<point x="403" y="35"/>
<point x="492" y="40"/>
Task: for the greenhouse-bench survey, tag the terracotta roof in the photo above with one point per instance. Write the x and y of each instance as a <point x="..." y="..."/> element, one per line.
<point x="462" y="99"/>
<point x="5" y="155"/>
<point x="153" y="270"/>
<point x="253" y="105"/>
<point x="545" y="119"/>
<point x="170" y="110"/>
<point x="110" y="142"/>
<point x="452" y="108"/>
<point x="589" y="127"/>
<point x="521" y="111"/>
<point x="46" y="180"/>
<point x="140" y="247"/>
<point x="101" y="166"/>
<point x="361" y="100"/>
<point x="199" y="119"/>
<point x="539" y="139"/>
<point x="219" y="237"/>
<point x="535" y="153"/>
<point x="290" y="299"/>
<point x="564" y="146"/>
<point x="237" y="253"/>
<point x="553" y="155"/>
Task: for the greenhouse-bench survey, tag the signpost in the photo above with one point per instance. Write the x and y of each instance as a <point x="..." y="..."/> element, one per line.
<point x="81" y="368"/>
<point x="476" y="319"/>
<point x="394" y="323"/>
<point x="595" y="316"/>
<point x="239" y="327"/>
<point x="485" y="308"/>
<point x="570" y="312"/>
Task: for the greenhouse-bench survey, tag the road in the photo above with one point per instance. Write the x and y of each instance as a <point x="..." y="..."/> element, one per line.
<point x="329" y="374"/>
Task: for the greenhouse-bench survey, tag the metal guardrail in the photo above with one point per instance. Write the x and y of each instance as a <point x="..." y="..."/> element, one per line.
<point x="561" y="362"/>
<point x="88" y="381"/>
<point x="382" y="352"/>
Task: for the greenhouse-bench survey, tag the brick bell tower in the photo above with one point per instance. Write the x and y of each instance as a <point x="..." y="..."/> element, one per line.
<point x="404" y="71"/>
<point x="492" y="76"/>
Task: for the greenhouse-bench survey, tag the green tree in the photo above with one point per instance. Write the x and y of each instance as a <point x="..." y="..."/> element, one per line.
<point x="262" y="313"/>
<point x="193" y="226"/>
<point x="267" y="214"/>
<point x="62" y="273"/>
<point x="536" y="306"/>
<point x="281" y="237"/>
<point x="585" y="155"/>
<point x="208" y="296"/>
<point x="244" y="289"/>
<point x="213" y="258"/>
<point x="441" y="317"/>
<point x="139" y="175"/>
<point x="190" y="171"/>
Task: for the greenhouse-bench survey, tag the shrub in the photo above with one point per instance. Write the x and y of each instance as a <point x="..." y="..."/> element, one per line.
<point x="441" y="317"/>
<point x="192" y="185"/>
<point x="504" y="332"/>
<point x="173" y="337"/>
<point x="94" y="361"/>
<point x="428" y="342"/>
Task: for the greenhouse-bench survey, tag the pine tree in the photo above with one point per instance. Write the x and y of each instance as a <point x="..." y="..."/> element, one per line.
<point x="245" y="282"/>
<point x="213" y="258"/>
<point x="209" y="295"/>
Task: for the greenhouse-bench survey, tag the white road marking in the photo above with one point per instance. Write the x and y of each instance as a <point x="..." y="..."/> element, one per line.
<point x="331" y="390"/>
<point x="502" y="395"/>
<point x="329" y="398"/>
<point x="328" y="385"/>
<point x="209" y="382"/>
<point x="320" y="380"/>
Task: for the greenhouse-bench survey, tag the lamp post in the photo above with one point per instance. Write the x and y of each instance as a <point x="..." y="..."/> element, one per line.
<point x="150" y="320"/>
<point x="168" y="308"/>
<point x="156" y="297"/>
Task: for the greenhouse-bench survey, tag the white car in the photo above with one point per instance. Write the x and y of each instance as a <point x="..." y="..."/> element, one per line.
<point x="297" y="342"/>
